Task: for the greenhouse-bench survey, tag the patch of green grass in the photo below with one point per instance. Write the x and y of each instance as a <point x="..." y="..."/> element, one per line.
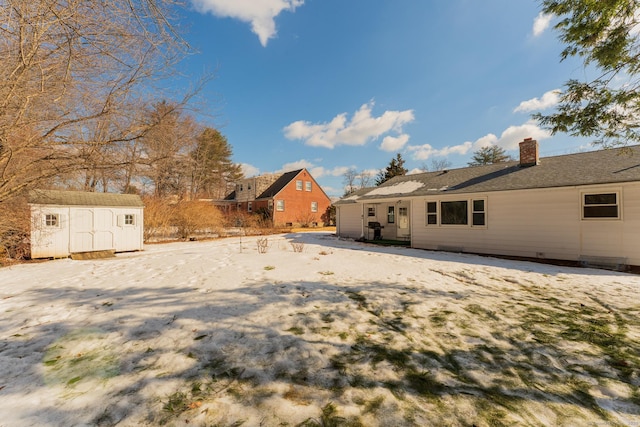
<point x="440" y="318"/>
<point x="327" y="318"/>
<point x="343" y="335"/>
<point x="296" y="330"/>
<point x="326" y="273"/>
<point x="269" y="267"/>
<point x="373" y="406"/>
<point x="423" y="383"/>
<point x="357" y="297"/>
<point x="481" y="311"/>
<point x="329" y="418"/>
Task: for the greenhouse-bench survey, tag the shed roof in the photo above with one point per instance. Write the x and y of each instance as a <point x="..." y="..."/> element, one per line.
<point x="83" y="198"/>
<point x="615" y="165"/>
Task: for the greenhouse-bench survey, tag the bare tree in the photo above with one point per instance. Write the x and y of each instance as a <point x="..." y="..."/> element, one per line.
<point x="67" y="70"/>
<point x="436" y="165"/>
<point x="166" y="149"/>
<point x="349" y="180"/>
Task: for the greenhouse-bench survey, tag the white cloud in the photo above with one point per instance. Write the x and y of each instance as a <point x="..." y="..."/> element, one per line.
<point x="315" y="171"/>
<point x="362" y="128"/>
<point x="541" y="23"/>
<point x="259" y="13"/>
<point x="249" y="170"/>
<point x="548" y="100"/>
<point x="394" y="143"/>
<point x="509" y="140"/>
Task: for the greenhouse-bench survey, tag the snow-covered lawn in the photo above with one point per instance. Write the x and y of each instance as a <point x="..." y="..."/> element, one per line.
<point x="342" y="333"/>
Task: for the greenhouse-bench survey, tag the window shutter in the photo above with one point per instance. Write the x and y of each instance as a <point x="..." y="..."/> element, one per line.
<point x="120" y="220"/>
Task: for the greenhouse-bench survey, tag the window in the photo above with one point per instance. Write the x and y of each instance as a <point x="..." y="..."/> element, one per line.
<point x="371" y="211"/>
<point x="391" y="214"/>
<point x="432" y="213"/>
<point x="603" y="205"/>
<point x="129" y="219"/>
<point x="307" y="185"/>
<point x="479" y="214"/>
<point x="279" y="205"/>
<point x="270" y="204"/>
<point x="249" y="186"/>
<point x="249" y="206"/>
<point x="299" y="185"/>
<point x="52" y="220"/>
<point x="454" y="213"/>
<point x="241" y="187"/>
<point x="314" y="206"/>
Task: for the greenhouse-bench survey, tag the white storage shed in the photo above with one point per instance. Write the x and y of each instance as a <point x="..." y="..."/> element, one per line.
<point x="70" y="222"/>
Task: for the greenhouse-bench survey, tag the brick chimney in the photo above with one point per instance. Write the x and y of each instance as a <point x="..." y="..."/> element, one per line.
<point x="529" y="152"/>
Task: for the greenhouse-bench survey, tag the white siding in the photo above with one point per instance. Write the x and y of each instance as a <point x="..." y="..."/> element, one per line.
<point x="85" y="229"/>
<point x="47" y="241"/>
<point x="543" y="223"/>
<point x="349" y="221"/>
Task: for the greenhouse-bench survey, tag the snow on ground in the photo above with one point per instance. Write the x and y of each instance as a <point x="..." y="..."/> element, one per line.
<point x="340" y="333"/>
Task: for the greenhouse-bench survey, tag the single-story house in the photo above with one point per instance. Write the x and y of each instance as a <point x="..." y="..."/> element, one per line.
<point x="289" y="199"/>
<point x="582" y="207"/>
<point x="68" y="222"/>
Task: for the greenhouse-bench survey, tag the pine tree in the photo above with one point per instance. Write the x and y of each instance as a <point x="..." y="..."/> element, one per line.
<point x="395" y="168"/>
<point x="489" y="155"/>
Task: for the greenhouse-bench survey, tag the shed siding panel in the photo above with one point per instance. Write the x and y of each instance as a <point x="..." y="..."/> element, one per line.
<point x="49" y="242"/>
<point x="349" y="221"/>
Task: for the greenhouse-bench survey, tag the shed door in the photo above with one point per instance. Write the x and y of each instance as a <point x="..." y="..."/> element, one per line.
<point x="91" y="230"/>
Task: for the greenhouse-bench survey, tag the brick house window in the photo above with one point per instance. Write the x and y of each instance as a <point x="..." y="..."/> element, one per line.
<point x="280" y="205"/>
<point x="299" y="185"/>
<point x="314" y="206"/>
<point x="307" y="185"/>
<point x="249" y="206"/>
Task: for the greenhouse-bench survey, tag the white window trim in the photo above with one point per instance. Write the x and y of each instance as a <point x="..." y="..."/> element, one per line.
<point x="616" y="191"/>
<point x="280" y="205"/>
<point x="57" y="217"/>
<point x="299" y="185"/>
<point x="307" y="186"/>
<point x="470" y="213"/>
<point x="314" y="206"/>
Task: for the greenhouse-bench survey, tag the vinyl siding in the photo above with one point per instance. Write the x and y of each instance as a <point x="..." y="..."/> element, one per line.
<point x="349" y="221"/>
<point x="544" y="223"/>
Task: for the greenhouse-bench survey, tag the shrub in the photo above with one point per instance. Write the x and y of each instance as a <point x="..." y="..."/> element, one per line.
<point x="15" y="219"/>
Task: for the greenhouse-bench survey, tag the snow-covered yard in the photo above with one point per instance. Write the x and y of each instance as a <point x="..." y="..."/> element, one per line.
<point x="341" y="333"/>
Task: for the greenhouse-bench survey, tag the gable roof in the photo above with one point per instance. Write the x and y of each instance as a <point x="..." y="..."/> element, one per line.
<point x="279" y="184"/>
<point x="607" y="166"/>
<point x="83" y="198"/>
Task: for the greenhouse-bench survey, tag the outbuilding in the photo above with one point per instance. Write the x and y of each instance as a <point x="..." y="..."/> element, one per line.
<point x="582" y="207"/>
<point x="64" y="223"/>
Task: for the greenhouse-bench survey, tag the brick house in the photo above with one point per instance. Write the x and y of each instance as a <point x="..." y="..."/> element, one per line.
<point x="290" y="199"/>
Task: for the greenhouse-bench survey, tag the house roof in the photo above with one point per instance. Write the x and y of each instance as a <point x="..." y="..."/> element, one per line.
<point x="279" y="184"/>
<point x="83" y="198"/>
<point x="615" y="165"/>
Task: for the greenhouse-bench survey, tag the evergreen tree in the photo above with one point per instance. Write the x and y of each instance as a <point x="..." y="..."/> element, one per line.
<point x="604" y="34"/>
<point x="395" y="168"/>
<point x="213" y="171"/>
<point x="489" y="155"/>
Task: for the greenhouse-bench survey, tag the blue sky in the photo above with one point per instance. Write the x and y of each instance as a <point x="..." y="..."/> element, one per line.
<point x="337" y="84"/>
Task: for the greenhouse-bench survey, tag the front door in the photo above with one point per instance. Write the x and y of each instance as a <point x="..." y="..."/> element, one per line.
<point x="404" y="229"/>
